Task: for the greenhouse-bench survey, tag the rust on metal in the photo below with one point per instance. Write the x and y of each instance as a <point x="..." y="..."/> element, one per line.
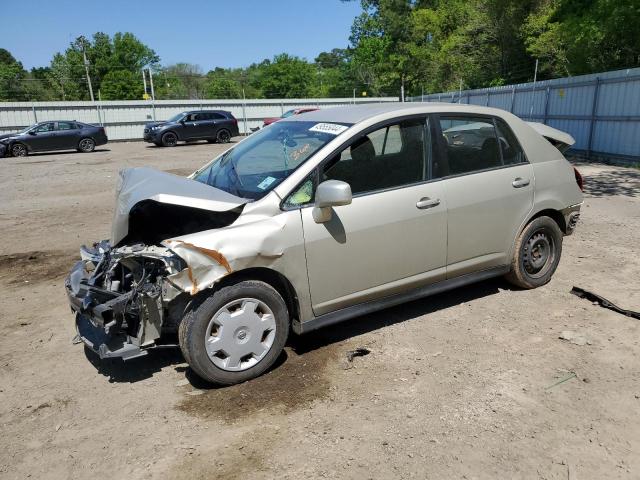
<point x="217" y="256"/>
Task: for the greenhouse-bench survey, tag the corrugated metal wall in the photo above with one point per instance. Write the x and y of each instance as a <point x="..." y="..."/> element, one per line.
<point x="601" y="110"/>
<point x="124" y="120"/>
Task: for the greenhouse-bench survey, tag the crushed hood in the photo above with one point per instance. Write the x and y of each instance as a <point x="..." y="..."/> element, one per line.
<point x="138" y="184"/>
<point x="561" y="140"/>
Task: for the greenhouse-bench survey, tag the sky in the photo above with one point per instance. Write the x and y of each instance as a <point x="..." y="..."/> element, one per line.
<point x="214" y="33"/>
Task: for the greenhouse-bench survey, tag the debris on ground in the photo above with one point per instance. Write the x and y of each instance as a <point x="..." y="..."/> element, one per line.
<point x="358" y="352"/>
<point x="564" y="379"/>
<point x="574" y="338"/>
<point x="603" y="302"/>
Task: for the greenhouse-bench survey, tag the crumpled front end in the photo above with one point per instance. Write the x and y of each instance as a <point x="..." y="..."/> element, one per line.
<point x="121" y="298"/>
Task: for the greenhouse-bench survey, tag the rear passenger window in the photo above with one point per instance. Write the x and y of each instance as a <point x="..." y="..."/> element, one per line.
<point x="66" y="126"/>
<point x="512" y="153"/>
<point x="217" y="116"/>
<point x="471" y="144"/>
<point x="389" y="157"/>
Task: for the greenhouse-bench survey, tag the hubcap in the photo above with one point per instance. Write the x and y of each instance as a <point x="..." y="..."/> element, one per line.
<point x="86" y="144"/>
<point x="539" y="254"/>
<point x="240" y="334"/>
<point x="224" y="136"/>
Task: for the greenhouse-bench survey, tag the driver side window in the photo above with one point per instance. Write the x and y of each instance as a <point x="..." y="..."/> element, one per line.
<point x="389" y="157"/>
<point x="45" y="127"/>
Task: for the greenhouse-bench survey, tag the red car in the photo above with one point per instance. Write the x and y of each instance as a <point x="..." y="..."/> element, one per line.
<point x="289" y="113"/>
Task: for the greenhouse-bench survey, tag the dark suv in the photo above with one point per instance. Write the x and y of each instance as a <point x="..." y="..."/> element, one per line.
<point x="211" y="125"/>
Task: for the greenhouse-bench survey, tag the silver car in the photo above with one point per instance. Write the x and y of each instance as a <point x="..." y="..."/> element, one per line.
<point x="320" y="218"/>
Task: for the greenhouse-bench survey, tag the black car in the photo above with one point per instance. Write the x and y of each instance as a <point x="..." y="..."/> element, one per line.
<point x="54" y="135"/>
<point x="211" y="125"/>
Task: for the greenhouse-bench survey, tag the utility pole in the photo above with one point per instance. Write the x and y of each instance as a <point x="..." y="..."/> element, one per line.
<point x="460" y="92"/>
<point x="83" y="42"/>
<point x="402" y="89"/>
<point x="533" y="90"/>
<point x="354" y="96"/>
<point x="153" y="94"/>
<point x="144" y="83"/>
<point x="244" y="112"/>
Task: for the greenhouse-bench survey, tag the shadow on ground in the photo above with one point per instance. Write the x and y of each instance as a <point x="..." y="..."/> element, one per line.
<point x="624" y="182"/>
<point x="304" y="353"/>
<point x="25" y="160"/>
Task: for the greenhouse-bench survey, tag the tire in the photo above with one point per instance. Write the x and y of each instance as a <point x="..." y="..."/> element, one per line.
<point x="169" y="139"/>
<point x="19" y="150"/>
<point x="86" y="145"/>
<point x="227" y="349"/>
<point x="536" y="254"/>
<point x="223" y="136"/>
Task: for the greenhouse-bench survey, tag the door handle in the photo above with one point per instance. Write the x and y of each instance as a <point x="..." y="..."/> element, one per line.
<point x="520" y="182"/>
<point x="427" y="202"/>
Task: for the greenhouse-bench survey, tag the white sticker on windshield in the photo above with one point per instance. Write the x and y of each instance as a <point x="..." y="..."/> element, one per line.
<point x="331" y="128"/>
<point x="266" y="182"/>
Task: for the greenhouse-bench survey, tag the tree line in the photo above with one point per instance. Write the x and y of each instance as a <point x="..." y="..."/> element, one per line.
<point x="419" y="46"/>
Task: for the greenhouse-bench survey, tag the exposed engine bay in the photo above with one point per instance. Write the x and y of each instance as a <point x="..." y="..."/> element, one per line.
<point x="126" y="296"/>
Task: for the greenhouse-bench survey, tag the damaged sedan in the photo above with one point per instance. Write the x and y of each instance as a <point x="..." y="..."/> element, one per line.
<point x="318" y="219"/>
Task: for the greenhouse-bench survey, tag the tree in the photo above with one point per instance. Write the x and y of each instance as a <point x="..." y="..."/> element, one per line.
<point x="12" y="77"/>
<point x="121" y="85"/>
<point x="286" y="77"/>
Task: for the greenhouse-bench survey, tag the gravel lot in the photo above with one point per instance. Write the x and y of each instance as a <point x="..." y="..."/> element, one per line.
<point x="459" y="385"/>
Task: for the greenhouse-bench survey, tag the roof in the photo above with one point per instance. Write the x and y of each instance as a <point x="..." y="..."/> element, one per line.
<point x="353" y="114"/>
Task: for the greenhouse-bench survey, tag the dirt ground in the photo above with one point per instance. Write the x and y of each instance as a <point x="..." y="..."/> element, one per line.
<point x="466" y="384"/>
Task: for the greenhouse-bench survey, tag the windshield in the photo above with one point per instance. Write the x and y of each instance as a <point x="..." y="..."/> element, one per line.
<point x="288" y="113"/>
<point x="258" y="164"/>
<point x="26" y="129"/>
<point x="177" y="117"/>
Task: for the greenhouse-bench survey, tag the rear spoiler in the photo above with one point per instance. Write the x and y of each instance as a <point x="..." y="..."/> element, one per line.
<point x="559" y="139"/>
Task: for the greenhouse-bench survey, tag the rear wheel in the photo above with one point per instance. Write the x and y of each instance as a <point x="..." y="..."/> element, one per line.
<point x="223" y="136"/>
<point x="86" y="145"/>
<point x="536" y="253"/>
<point x="169" y="139"/>
<point x="19" y="150"/>
<point x="236" y="333"/>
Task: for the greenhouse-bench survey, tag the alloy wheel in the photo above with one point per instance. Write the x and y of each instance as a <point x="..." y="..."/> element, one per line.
<point x="19" y="150"/>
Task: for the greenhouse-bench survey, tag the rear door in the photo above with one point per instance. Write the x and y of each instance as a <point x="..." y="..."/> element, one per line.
<point x="67" y="135"/>
<point x="488" y="184"/>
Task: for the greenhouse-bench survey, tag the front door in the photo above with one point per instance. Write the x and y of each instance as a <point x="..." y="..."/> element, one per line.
<point x="489" y="191"/>
<point x="392" y="237"/>
<point x="42" y="137"/>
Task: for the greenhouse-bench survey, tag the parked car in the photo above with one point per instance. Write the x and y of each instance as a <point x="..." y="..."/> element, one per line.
<point x="319" y="219"/>
<point x="211" y="125"/>
<point x="54" y="135"/>
<point x="287" y="114"/>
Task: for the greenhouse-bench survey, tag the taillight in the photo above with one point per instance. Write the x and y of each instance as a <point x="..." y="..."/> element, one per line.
<point x="234" y="120"/>
<point x="579" y="180"/>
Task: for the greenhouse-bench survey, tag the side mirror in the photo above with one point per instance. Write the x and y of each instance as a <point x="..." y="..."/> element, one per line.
<point x="32" y="132"/>
<point x="330" y="193"/>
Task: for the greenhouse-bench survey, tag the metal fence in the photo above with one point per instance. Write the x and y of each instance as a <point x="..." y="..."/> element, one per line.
<point x="124" y="120"/>
<point x="601" y="111"/>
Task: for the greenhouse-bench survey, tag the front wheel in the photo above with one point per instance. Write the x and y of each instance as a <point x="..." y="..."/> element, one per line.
<point x="19" y="150"/>
<point x="536" y="253"/>
<point x="169" y="139"/>
<point x="236" y="333"/>
<point x="86" y="145"/>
